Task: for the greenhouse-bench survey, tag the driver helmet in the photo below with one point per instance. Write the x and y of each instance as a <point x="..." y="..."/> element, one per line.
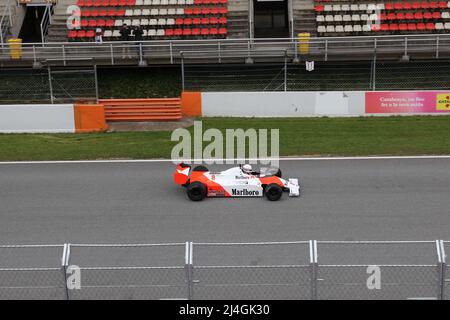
<point x="246" y="168"/>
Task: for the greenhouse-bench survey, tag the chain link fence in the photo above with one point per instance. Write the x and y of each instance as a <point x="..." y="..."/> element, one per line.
<point x="312" y="269"/>
<point x="325" y="76"/>
<point x="47" y="85"/>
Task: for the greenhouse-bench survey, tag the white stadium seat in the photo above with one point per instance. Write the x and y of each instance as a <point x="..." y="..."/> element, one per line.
<point x="439" y="26"/>
<point x="357" y="28"/>
<point x="339" y="29"/>
<point x="330" y="28"/>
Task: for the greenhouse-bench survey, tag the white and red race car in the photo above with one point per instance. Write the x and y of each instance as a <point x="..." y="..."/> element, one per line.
<point x="234" y="182"/>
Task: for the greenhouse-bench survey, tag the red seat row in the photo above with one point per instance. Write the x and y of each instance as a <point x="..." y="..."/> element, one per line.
<point x="105" y="3"/>
<point x="199" y="2"/>
<point x="198" y="11"/>
<point x="197" y="21"/>
<point x="103" y="13"/>
<point x="195" y="32"/>
<point x="404" y="27"/>
<point x="410" y="16"/>
<point x="415" y="5"/>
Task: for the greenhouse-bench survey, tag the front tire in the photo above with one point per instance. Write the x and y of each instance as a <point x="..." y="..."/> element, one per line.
<point x="196" y="191"/>
<point x="273" y="192"/>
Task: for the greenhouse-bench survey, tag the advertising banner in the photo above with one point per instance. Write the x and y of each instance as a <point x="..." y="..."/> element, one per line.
<point x="408" y="102"/>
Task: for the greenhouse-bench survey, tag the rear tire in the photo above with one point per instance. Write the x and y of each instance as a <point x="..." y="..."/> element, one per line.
<point x="196" y="191"/>
<point x="273" y="192"/>
<point x="201" y="169"/>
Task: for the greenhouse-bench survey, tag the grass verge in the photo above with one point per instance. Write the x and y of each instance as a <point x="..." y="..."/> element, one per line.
<point x="298" y="136"/>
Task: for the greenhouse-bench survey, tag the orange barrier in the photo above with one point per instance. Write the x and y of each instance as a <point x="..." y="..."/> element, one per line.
<point x="89" y="118"/>
<point x="142" y="109"/>
<point x="191" y="104"/>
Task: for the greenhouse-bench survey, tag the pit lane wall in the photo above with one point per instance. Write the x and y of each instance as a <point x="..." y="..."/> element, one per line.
<point x="315" y="104"/>
<point x="52" y="118"/>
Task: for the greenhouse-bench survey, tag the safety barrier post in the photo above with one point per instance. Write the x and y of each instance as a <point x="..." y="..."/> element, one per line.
<point x="189" y="270"/>
<point x="313" y="267"/>
<point x="64" y="265"/>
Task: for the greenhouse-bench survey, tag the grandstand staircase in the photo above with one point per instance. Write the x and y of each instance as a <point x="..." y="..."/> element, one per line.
<point x="57" y="31"/>
<point x="238" y="24"/>
<point x="304" y="17"/>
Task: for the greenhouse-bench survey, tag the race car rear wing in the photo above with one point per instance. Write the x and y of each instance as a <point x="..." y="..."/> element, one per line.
<point x="181" y="175"/>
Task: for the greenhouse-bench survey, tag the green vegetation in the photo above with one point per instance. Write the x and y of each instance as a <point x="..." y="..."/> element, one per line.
<point x="298" y="136"/>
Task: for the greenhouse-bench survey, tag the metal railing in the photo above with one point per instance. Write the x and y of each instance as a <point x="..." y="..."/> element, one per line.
<point x="431" y="46"/>
<point x="5" y="22"/>
<point x="46" y="21"/>
<point x="195" y="270"/>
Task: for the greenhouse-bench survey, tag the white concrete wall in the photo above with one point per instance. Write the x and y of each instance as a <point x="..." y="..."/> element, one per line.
<point x="37" y="118"/>
<point x="282" y="104"/>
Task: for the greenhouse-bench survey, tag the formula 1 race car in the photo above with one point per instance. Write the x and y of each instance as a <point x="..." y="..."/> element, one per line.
<point x="235" y="182"/>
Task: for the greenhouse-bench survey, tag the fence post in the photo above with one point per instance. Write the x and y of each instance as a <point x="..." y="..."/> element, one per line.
<point x="189" y="270"/>
<point x="64" y="264"/>
<point x="442" y="266"/>
<point x="313" y="268"/>
<point x="50" y="85"/>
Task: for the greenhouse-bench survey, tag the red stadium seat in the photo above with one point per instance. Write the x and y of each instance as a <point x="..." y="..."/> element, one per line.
<point x="420" y="26"/>
<point x="429" y="26"/>
<point x="442" y="5"/>
<point x="403" y="27"/>
<point x="196" y="32"/>
<point x="213" y="31"/>
<point x="389" y="6"/>
<point x="169" y="32"/>
<point x="436" y="15"/>
<point x="409" y="16"/>
<point x="384" y="27"/>
<point x="72" y="34"/>
<point x="178" y="32"/>
<point x="411" y="27"/>
<point x="223" y="31"/>
<point x="205" y="20"/>
<point x="393" y="27"/>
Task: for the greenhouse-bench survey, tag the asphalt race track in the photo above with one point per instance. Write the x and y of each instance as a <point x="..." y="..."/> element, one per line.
<point x="383" y="199"/>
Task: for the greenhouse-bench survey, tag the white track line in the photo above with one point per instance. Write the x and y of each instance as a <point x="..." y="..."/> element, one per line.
<point x="224" y="160"/>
